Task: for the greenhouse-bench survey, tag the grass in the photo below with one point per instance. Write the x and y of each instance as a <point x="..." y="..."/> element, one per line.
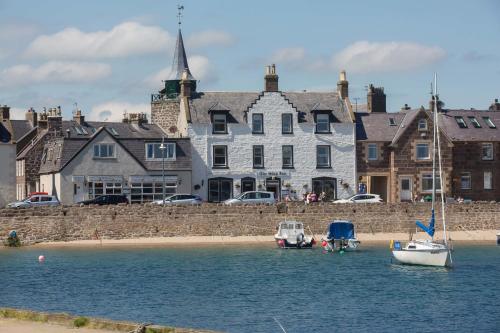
<point x="80" y="322"/>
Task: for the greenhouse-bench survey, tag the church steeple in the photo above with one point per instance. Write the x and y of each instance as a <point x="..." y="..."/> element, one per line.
<point x="179" y="66"/>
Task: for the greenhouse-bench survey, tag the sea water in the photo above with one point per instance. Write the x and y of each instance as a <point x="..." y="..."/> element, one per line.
<point x="250" y="288"/>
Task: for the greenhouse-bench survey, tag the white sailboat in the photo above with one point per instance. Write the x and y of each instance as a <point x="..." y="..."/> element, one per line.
<point x="428" y="252"/>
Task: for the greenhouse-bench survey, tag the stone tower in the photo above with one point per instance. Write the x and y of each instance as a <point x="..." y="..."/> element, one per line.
<point x="165" y="105"/>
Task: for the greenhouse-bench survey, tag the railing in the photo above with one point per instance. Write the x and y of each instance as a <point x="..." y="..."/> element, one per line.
<point x="163" y="97"/>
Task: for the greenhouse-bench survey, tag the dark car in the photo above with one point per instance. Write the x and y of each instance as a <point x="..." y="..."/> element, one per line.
<point x="107" y="199"/>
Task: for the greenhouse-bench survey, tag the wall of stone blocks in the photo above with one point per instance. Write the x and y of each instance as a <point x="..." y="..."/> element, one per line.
<point x="131" y="221"/>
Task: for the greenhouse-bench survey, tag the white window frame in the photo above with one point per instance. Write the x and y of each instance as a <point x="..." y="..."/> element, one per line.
<point x="256" y="155"/>
<point x="428" y="157"/>
<point x="290" y="158"/>
<point x="255" y="116"/>
<point x="328" y="156"/>
<point x="321" y="120"/>
<point x="422" y="125"/>
<point x="465" y="176"/>
<point x="428" y="176"/>
<point x="289" y="129"/>
<point x="370" y="148"/>
<point x="219" y="118"/>
<point x="488" y="157"/>
<point x="99" y="150"/>
<point x="219" y="165"/>
<point x="488" y="180"/>
<point x="170" y="151"/>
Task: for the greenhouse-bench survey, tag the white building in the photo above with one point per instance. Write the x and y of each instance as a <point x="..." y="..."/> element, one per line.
<point x="286" y="142"/>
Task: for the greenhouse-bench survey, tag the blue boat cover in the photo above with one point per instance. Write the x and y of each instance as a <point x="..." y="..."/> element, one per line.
<point x="428" y="229"/>
<point x="341" y="229"/>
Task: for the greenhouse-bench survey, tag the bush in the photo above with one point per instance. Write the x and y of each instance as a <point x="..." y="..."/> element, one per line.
<point x="80" y="321"/>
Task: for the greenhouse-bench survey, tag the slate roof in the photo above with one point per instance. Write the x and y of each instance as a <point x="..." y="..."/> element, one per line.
<point x="5" y="135"/>
<point x="132" y="138"/>
<point x="180" y="62"/>
<point x="376" y="126"/>
<point x="238" y="103"/>
<point x="21" y="128"/>
<point x="471" y="133"/>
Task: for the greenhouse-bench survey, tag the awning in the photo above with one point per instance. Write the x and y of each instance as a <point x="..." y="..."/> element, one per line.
<point x="104" y="179"/>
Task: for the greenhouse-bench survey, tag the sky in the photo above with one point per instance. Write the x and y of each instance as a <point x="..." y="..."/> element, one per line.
<point x="108" y="57"/>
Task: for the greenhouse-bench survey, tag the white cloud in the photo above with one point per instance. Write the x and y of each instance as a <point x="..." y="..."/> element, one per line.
<point x="54" y="72"/>
<point x="289" y="55"/>
<point x="364" y="56"/>
<point x="114" y="110"/>
<point x="125" y="39"/>
<point x="210" y="38"/>
<point x="200" y="67"/>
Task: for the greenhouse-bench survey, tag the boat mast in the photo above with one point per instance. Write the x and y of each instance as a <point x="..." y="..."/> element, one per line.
<point x="440" y="166"/>
<point x="434" y="112"/>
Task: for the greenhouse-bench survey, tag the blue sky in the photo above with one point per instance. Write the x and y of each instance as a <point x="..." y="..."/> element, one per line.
<point x="109" y="56"/>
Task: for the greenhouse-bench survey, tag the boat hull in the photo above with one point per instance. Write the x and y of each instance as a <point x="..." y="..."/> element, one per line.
<point x="423" y="257"/>
<point x="335" y="245"/>
<point x="284" y="244"/>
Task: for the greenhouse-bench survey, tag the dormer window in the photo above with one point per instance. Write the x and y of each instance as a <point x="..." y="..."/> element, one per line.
<point x="488" y="122"/>
<point x="322" y="123"/>
<point x="392" y="122"/>
<point x="422" y="125"/>
<point x="474" y="122"/>
<point x="257" y="123"/>
<point x="219" y="123"/>
<point x="154" y="151"/>
<point x="461" y="122"/>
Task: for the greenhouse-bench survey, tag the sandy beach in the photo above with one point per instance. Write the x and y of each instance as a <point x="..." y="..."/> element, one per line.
<point x="14" y="325"/>
<point x="481" y="236"/>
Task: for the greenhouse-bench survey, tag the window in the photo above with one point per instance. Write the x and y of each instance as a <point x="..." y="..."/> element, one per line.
<point x="372" y="152"/>
<point x="465" y="181"/>
<point x="220" y="157"/>
<point x="322" y="156"/>
<point x="474" y="122"/>
<point x="287" y="123"/>
<point x="220" y="189"/>
<point x="488" y="180"/>
<point x="104" y="150"/>
<point x="219" y="123"/>
<point x="113" y="131"/>
<point x="258" y="157"/>
<point x="257" y="123"/>
<point x="154" y="151"/>
<point x="488" y="122"/>
<point x="113" y="188"/>
<point x="392" y="122"/>
<point x="325" y="185"/>
<point x="460" y="121"/>
<point x="322" y="123"/>
<point x="287" y="157"/>
<point x="150" y="190"/>
<point x="427" y="183"/>
<point x="423" y="151"/>
<point x="78" y="130"/>
<point x="422" y="125"/>
<point x="487" y="153"/>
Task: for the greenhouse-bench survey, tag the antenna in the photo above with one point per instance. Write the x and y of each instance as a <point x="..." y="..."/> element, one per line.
<point x="179" y="14"/>
<point x="356" y="103"/>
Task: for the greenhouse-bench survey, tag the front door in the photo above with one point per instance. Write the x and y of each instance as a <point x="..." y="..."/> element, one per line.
<point x="78" y="192"/>
<point x="274" y="185"/>
<point x="405" y="189"/>
<point x="247" y="184"/>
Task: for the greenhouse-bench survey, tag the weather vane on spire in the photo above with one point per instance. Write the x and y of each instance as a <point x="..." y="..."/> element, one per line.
<point x="179" y="14"/>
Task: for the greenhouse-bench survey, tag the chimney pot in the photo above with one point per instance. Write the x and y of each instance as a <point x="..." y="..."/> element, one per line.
<point x="343" y="85"/>
<point x="271" y="79"/>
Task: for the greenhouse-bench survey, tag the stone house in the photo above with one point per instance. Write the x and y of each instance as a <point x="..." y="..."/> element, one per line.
<point x="94" y="158"/>
<point x="476" y="152"/>
<point x="285" y="142"/>
<point x="14" y="136"/>
<point x="394" y="151"/>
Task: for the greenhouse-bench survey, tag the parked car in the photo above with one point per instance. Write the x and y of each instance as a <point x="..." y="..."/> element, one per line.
<point x="361" y="198"/>
<point x="181" y="199"/>
<point x="35" y="201"/>
<point x="106" y="199"/>
<point x="252" y="197"/>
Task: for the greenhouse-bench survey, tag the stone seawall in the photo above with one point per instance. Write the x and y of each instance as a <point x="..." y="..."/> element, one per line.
<point x="133" y="221"/>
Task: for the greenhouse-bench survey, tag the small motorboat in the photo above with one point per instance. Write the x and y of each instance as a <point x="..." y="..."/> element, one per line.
<point x="340" y="237"/>
<point x="290" y="235"/>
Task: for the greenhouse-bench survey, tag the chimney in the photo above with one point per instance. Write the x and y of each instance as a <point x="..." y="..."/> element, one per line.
<point x="54" y="120"/>
<point x="343" y="85"/>
<point x="32" y="117"/>
<point x="136" y="119"/>
<point x="495" y="106"/>
<point x="78" y="117"/>
<point x="406" y="107"/>
<point x="271" y="79"/>
<point x="440" y="104"/>
<point x="376" y="99"/>
<point x="4" y="113"/>
<point x="68" y="133"/>
<point x="185" y="84"/>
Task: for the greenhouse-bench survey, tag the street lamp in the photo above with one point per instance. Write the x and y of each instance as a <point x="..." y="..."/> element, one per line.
<point x="162" y="148"/>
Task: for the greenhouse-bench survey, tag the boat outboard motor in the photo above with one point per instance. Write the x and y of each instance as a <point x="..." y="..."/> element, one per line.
<point x="300" y="240"/>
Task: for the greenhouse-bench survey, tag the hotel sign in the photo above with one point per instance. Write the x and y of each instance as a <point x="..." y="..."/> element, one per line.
<point x="280" y="173"/>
